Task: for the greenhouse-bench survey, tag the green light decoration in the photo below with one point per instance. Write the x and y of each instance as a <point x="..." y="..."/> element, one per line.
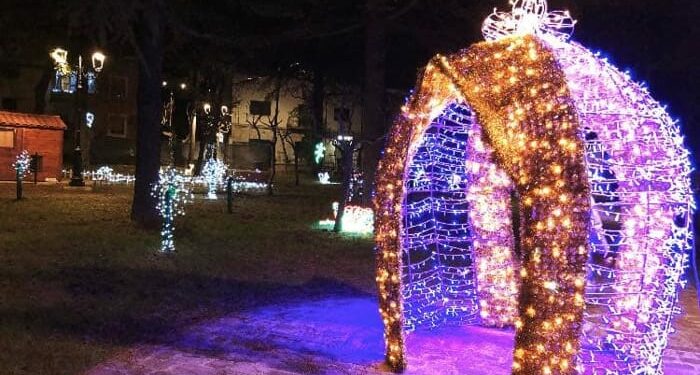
<point x="319" y="152"/>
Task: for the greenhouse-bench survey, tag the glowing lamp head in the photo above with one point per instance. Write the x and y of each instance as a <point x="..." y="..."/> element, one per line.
<point x="165" y="83"/>
<point x="59" y="56"/>
<point x="183" y="86"/>
<point x="224" y="110"/>
<point x="98" y="61"/>
<point x="207" y="108"/>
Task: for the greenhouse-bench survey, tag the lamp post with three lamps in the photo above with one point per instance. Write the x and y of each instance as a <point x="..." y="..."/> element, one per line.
<point x="84" y="76"/>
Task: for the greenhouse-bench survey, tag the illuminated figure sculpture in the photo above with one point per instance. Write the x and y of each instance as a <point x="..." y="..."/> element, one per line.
<point x="590" y="275"/>
<point x="224" y="131"/>
<point x="209" y="129"/>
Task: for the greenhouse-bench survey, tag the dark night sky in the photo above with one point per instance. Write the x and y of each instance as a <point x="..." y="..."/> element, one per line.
<point x="656" y="40"/>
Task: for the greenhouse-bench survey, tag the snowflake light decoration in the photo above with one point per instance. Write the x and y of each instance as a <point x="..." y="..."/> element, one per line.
<point x="531" y="142"/>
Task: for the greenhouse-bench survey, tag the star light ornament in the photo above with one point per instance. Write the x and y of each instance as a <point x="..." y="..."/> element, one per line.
<point x="213" y="172"/>
<point x="602" y="212"/>
<point x="173" y="194"/>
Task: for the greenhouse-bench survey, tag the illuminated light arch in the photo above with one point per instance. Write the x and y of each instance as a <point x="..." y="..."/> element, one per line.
<point x="486" y="77"/>
<point x="588" y="151"/>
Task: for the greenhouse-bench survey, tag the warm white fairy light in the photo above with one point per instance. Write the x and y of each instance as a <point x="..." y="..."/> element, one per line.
<point x="172" y="193"/>
<point x="213" y="172"/>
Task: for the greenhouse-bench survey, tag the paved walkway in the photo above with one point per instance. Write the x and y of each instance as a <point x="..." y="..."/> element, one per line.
<point x="343" y="336"/>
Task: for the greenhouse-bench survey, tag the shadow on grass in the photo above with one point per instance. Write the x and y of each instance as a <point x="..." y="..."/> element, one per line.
<point x="126" y="306"/>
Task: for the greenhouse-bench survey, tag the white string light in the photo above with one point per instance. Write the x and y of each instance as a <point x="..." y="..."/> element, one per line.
<point x="21" y="164"/>
<point x="356" y="219"/>
<point x="324" y="178"/>
<point x="213" y="172"/>
<point x="172" y="193"/>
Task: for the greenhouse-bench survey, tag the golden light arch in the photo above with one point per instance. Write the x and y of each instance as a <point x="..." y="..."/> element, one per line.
<point x="590" y="267"/>
<point x="522" y="102"/>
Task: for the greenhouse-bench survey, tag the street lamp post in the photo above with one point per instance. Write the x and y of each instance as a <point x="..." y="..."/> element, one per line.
<point x="82" y="74"/>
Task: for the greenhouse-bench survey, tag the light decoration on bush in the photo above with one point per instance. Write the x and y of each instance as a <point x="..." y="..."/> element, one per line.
<point x="21" y="164"/>
<point x="172" y="193"/>
<point x="356" y="219"/>
<point x="213" y="172"/>
<point x="603" y="203"/>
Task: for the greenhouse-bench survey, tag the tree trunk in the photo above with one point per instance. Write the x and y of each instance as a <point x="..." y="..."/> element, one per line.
<point x="374" y="118"/>
<point x="318" y="93"/>
<point x="275" y="127"/>
<point x="199" y="164"/>
<point x="296" y="164"/>
<point x="149" y="39"/>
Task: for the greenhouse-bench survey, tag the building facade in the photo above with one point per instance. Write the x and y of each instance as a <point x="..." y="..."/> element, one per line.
<point x="110" y="136"/>
<point x="40" y="135"/>
<point x="256" y="109"/>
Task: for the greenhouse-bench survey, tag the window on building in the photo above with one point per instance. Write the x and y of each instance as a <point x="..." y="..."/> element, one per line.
<point x="9" y="104"/>
<point x="302" y="117"/>
<point x="91" y="81"/>
<point x="117" y="124"/>
<point x="7" y="138"/>
<point x="260" y="108"/>
<point x="341" y="114"/>
<point x="65" y="83"/>
<point x="118" y="88"/>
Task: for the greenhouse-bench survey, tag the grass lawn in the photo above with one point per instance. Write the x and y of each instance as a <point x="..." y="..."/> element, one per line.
<point x="79" y="282"/>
